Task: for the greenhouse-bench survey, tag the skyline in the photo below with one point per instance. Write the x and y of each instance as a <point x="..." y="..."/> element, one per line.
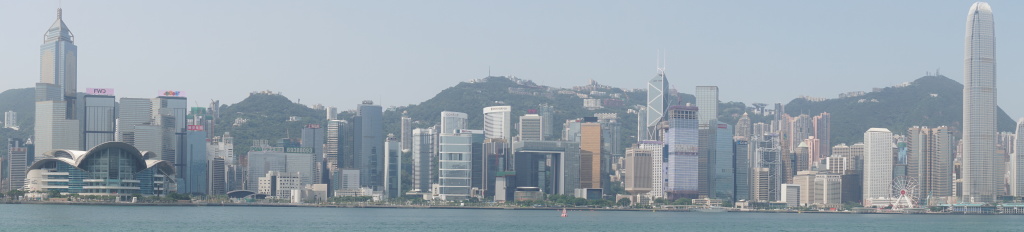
<point x="203" y="48"/>
<point x="158" y="144"/>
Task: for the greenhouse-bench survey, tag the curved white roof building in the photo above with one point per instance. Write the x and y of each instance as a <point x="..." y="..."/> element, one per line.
<point x="109" y="169"/>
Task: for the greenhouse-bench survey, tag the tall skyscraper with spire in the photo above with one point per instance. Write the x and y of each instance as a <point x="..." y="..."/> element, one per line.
<point x="56" y="125"/>
<point x="979" y="138"/>
<point x="656" y="104"/>
<point x="59" y="60"/>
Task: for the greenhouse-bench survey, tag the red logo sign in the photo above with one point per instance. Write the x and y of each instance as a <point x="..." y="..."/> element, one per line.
<point x="195" y="127"/>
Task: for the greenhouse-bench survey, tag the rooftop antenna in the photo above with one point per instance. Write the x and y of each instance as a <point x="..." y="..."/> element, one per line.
<point x="660" y="63"/>
<point x="488" y="70"/>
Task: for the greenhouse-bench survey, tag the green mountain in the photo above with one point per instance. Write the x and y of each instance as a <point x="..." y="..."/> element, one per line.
<point x="21" y="101"/>
<point x="265" y="116"/>
<point x="523" y="95"/>
<point x="928" y="101"/>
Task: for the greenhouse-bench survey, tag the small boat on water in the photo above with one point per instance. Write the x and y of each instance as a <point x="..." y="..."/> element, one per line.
<point x="564" y="214"/>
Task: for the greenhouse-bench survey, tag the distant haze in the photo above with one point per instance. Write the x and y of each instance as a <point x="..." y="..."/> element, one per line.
<point x="338" y="53"/>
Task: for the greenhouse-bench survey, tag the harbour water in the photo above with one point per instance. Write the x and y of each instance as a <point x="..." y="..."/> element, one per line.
<point x="35" y="217"/>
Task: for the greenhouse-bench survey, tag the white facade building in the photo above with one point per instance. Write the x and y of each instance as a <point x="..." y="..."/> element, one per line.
<point x="979" y="107"/>
<point x="498" y="122"/>
<point x="451" y="121"/>
<point x="11" y="119"/>
<point x="279" y="184"/>
<point x="531" y="127"/>
<point x="878" y="162"/>
<point x="1017" y="162"/>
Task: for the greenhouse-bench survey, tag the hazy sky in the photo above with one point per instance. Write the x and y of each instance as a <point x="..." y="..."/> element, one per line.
<point x="338" y="53"/>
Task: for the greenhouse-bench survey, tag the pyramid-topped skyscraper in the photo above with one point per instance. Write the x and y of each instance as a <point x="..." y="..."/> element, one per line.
<point x="56" y="125"/>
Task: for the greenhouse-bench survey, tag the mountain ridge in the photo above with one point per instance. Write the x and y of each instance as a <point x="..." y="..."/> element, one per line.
<point x="266" y="114"/>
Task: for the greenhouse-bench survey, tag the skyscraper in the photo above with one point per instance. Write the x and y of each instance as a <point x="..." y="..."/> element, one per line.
<point x="313" y="137"/>
<point x="498" y="122"/>
<point x="11" y="119"/>
<point x="452" y="121"/>
<point x="393" y="168"/>
<point x="332" y="145"/>
<point x="979" y="125"/>
<point x="97" y="117"/>
<point x="741" y="165"/>
<point x="193" y="174"/>
<point x="644" y="169"/>
<point x="496" y="163"/>
<point x="707" y="102"/>
<point x="878" y="163"/>
<point x="681" y="165"/>
<point x="18" y="161"/>
<point x="546" y="111"/>
<point x="724" y="171"/>
<point x="642" y="131"/>
<point x="1017" y="162"/>
<point x="59" y="61"/>
<point x="369" y="142"/>
<point x="332" y="113"/>
<point x="56" y="125"/>
<point x="217" y="184"/>
<point x="823" y="131"/>
<point x="800" y="127"/>
<point x="531" y="127"/>
<point x="656" y="104"/>
<point x="456" y="152"/>
<point x="423" y="150"/>
<point x="590" y="155"/>
<point x="406" y="136"/>
<point x="743" y="127"/>
<point x="930" y="160"/>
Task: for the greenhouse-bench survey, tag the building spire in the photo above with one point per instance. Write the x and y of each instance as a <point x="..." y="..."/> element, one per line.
<point x="59" y="14"/>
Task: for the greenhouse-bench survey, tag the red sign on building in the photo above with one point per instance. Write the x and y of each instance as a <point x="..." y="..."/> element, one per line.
<point x="195" y="127"/>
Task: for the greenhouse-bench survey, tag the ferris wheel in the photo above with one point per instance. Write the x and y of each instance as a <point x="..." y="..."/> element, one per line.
<point x="904" y="192"/>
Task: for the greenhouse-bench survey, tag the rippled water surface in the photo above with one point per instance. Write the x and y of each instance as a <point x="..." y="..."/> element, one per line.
<point x="30" y="217"/>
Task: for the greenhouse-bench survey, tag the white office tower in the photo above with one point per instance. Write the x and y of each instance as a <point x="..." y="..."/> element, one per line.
<point x="451" y="121"/>
<point x="11" y="119"/>
<point x="531" y="127"/>
<point x="332" y="113"/>
<point x="878" y="161"/>
<point x="1017" y="162"/>
<point x="979" y="125"/>
<point x="498" y="122"/>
